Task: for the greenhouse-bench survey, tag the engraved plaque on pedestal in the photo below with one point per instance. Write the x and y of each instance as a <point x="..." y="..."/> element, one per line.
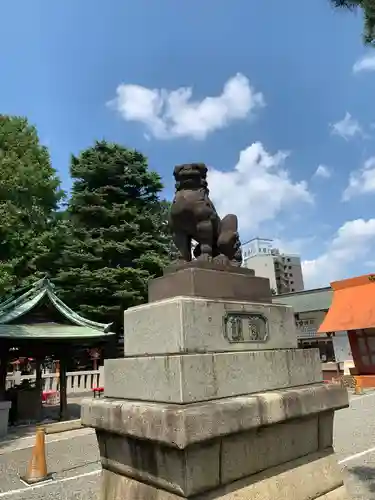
<point x="245" y="327"/>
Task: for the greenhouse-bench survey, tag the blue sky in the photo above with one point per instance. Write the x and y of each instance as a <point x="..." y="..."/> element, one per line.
<point x="289" y="136"/>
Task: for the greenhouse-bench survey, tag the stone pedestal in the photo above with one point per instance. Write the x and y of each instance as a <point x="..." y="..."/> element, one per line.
<point x="214" y="401"/>
<point x="200" y="280"/>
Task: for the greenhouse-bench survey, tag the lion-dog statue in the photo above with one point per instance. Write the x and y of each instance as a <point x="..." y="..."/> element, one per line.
<point x="194" y="217"/>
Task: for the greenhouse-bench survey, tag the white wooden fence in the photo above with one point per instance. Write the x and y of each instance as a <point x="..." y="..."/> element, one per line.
<point x="77" y="382"/>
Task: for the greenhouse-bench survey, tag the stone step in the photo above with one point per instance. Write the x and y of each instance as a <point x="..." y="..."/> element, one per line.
<point x="190" y="325"/>
<point x="202" y="377"/>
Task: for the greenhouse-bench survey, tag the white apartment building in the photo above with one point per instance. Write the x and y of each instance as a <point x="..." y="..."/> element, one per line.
<point x="283" y="270"/>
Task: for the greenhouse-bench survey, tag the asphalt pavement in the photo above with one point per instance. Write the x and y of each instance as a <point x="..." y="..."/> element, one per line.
<point x="354" y="442"/>
<point x="73" y="459"/>
<point x="73" y="462"/>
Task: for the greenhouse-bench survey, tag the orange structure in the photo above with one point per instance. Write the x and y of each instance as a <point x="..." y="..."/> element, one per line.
<point x="353" y="310"/>
<point x="37" y="468"/>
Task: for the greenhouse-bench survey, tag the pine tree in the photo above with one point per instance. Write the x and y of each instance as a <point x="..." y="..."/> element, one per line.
<point x="29" y="197"/>
<point x="117" y="240"/>
<point x="368" y="7"/>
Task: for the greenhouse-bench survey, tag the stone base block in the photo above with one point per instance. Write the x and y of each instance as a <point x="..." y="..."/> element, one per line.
<point x="273" y="446"/>
<point x="213" y="463"/>
<point x="191" y="325"/>
<point x="194" y="281"/>
<point x="203" y="377"/>
<point x="180" y="426"/>
<point x="311" y="477"/>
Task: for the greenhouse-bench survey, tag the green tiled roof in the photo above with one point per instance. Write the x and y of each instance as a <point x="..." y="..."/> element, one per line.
<point x="318" y="299"/>
<point x="48" y="331"/>
<point x="13" y="309"/>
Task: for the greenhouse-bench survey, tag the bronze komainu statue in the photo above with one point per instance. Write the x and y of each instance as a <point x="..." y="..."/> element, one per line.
<point x="194" y="217"/>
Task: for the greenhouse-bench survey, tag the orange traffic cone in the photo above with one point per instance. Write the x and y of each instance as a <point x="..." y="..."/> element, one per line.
<point x="37" y="468"/>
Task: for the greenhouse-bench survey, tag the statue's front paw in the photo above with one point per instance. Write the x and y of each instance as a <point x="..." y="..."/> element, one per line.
<point x="204" y="257"/>
<point x="222" y="260"/>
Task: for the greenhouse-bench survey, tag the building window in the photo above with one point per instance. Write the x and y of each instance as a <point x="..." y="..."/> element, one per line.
<point x="292" y="282"/>
<point x="288" y="260"/>
<point x="293" y="290"/>
<point x="290" y="267"/>
<point x="325" y="348"/>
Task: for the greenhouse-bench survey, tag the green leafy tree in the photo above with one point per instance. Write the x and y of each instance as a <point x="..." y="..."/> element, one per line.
<point x="117" y="240"/>
<point x="368" y="7"/>
<point x="29" y="197"/>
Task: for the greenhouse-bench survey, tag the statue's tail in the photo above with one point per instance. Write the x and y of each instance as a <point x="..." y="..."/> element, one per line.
<point x="229" y="241"/>
<point x="229" y="223"/>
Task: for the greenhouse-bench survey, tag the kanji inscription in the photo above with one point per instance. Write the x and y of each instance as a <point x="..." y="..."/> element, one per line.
<point x="245" y="327"/>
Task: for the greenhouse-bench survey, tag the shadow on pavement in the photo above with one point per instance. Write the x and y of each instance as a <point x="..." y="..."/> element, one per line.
<point x="52" y="412"/>
<point x="365" y="474"/>
<point x="15" y="433"/>
<point x="50" y="415"/>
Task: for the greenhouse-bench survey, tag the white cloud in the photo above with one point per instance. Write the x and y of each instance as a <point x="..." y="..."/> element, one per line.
<point x="257" y="188"/>
<point x="294" y="245"/>
<point x="168" y="114"/>
<point x="347" y="128"/>
<point x="365" y="63"/>
<point x="361" y="181"/>
<point x="353" y="241"/>
<point x="323" y="171"/>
